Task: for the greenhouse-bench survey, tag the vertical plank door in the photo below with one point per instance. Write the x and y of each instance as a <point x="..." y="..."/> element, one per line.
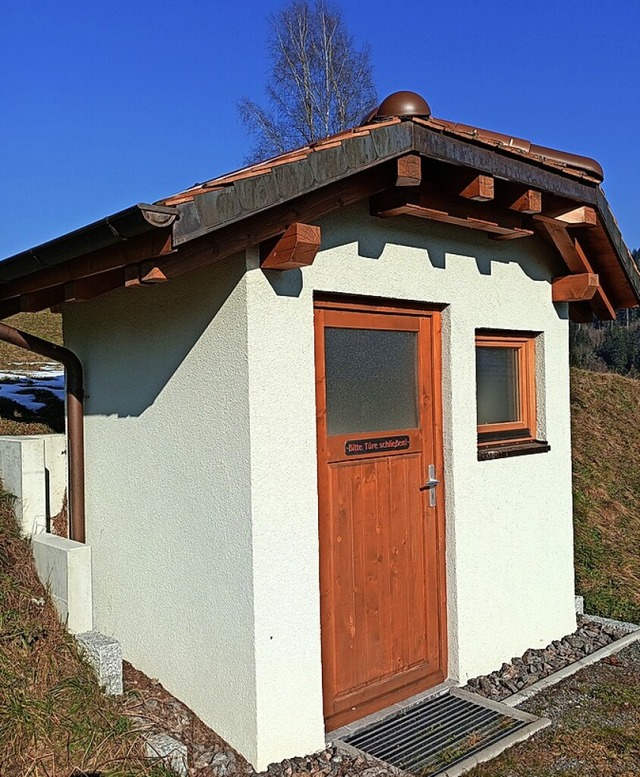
<point x="383" y="609"/>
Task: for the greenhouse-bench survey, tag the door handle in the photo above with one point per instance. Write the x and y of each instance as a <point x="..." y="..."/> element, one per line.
<point x="430" y="485"/>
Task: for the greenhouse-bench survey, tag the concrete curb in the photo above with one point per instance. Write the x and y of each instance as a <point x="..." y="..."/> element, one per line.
<point x="105" y="656"/>
<point x="567" y="671"/>
<point x="491" y="752"/>
<point x="622" y="625"/>
<point x="169" y="751"/>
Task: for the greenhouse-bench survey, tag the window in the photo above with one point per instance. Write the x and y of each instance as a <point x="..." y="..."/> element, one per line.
<point x="506" y="388"/>
<point x="371" y="378"/>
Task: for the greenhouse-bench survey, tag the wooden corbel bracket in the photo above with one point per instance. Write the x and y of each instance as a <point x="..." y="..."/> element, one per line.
<point x="575" y="288"/>
<point x="297" y="247"/>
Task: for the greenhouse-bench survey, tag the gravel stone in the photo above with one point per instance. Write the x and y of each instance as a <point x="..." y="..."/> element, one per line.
<point x="534" y="664"/>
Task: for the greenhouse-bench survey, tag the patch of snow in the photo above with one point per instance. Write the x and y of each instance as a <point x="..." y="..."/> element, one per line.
<point x="19" y="385"/>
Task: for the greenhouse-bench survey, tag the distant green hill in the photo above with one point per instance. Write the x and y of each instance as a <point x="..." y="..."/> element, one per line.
<point x="605" y="411"/>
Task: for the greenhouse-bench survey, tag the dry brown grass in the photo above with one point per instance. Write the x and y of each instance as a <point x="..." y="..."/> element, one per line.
<point x="606" y="490"/>
<point x="43" y="324"/>
<point x="14" y="419"/>
<point x="54" y="719"/>
<point x="595" y="729"/>
<point x="14" y="426"/>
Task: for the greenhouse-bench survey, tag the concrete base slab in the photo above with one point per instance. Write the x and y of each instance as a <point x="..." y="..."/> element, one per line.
<point x="621" y="625"/>
<point x="386" y="712"/>
<point x="105" y="656"/>
<point x="64" y="566"/>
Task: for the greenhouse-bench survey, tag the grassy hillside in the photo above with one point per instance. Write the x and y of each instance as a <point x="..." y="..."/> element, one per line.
<point x="606" y="491"/>
<point x="15" y="419"/>
<point x="54" y="719"/>
<point x="44" y="324"/>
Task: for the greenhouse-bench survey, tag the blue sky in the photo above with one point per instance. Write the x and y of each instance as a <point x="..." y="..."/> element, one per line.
<point x="112" y="103"/>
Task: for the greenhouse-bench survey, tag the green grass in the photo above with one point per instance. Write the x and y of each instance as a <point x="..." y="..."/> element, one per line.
<point x="606" y="492"/>
<point x="54" y="718"/>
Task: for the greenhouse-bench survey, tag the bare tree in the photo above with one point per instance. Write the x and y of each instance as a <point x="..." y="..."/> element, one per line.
<point x="320" y="83"/>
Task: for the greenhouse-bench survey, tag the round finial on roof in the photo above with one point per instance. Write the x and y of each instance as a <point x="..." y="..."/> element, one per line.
<point x="402" y="104"/>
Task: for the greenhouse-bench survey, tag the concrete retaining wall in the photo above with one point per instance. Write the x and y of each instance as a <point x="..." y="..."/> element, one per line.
<point x="65" y="567"/>
<point x="34" y="470"/>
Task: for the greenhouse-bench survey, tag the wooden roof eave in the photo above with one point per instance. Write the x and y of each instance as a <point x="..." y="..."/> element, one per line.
<point x="213" y="210"/>
<point x="223" y="221"/>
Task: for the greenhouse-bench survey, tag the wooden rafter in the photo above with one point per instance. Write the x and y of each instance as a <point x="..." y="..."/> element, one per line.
<point x="575" y="288"/>
<point x="433" y="205"/>
<point x="584" y="216"/>
<point x="480" y="188"/>
<point x="9" y="307"/>
<point x="576" y="260"/>
<point x="556" y="233"/>
<point x="153" y="244"/>
<point x="260" y="227"/>
<point x="39" y="300"/>
<point x="297" y="247"/>
<point x="524" y="200"/>
<point x="409" y="170"/>
<point x="84" y="289"/>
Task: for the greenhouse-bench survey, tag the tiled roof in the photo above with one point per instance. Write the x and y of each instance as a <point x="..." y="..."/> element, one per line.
<point x="580" y="167"/>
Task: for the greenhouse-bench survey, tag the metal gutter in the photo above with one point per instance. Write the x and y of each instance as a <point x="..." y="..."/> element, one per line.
<point x="109" y="231"/>
<point x="75" y="417"/>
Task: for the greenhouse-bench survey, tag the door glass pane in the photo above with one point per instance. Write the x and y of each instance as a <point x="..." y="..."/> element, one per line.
<point x="371" y="380"/>
<point x="497" y="382"/>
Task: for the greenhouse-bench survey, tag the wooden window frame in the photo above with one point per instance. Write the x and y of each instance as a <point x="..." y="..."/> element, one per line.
<point x="523" y="430"/>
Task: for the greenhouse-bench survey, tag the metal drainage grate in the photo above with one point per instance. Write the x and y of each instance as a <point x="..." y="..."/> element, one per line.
<point x="442" y="731"/>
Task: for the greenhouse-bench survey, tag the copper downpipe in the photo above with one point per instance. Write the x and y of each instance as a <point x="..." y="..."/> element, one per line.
<point x="75" y="417"/>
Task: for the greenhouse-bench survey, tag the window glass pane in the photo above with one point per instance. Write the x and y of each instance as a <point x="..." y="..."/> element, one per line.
<point x="497" y="385"/>
<point x="371" y="378"/>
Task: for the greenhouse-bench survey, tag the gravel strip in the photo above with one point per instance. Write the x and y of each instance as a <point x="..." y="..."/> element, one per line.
<point x="595" y="725"/>
<point x="535" y="664"/>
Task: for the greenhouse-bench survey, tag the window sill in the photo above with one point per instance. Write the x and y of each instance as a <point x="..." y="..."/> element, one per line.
<point x="506" y="450"/>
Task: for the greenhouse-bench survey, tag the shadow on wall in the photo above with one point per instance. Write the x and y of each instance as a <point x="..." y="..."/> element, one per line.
<point x="132" y="346"/>
<point x="438" y="241"/>
<point x="135" y="340"/>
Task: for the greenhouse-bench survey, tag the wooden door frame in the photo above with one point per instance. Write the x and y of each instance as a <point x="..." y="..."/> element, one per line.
<point x="431" y="376"/>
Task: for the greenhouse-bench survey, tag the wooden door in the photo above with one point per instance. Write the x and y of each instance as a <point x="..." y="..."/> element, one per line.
<point x="383" y="612"/>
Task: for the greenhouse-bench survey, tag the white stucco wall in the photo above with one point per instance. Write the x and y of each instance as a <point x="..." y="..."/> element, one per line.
<point x="202" y="484"/>
<point x="509" y="524"/>
<point x="168" y="487"/>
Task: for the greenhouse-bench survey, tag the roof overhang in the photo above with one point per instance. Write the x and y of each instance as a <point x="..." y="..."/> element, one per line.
<point x="149" y="244"/>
